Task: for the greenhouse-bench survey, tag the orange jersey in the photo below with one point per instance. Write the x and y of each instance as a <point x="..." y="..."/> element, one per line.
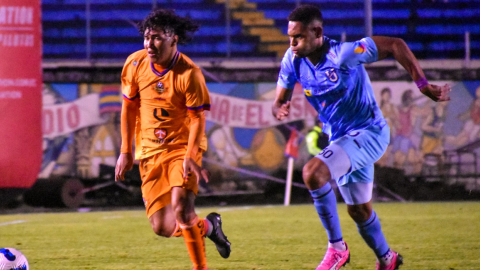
<point x="165" y="97"/>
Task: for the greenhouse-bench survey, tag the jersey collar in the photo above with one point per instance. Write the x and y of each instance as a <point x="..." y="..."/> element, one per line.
<point x="170" y="66"/>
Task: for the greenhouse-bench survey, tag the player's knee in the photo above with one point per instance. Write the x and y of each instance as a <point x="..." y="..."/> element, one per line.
<point x="161" y="230"/>
<point x="315" y="174"/>
<point x="359" y="213"/>
<point x="184" y="213"/>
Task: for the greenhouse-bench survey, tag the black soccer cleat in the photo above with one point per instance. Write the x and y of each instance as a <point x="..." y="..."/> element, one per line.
<point x="217" y="235"/>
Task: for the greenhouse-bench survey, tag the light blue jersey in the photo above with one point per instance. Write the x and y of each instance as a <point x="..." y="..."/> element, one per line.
<point x="338" y="87"/>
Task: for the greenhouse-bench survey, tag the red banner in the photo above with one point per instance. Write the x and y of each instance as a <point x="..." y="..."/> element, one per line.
<point x="20" y="93"/>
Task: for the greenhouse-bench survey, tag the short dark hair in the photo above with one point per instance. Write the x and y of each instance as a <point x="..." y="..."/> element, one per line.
<point x="306" y="14"/>
<point x="167" y="20"/>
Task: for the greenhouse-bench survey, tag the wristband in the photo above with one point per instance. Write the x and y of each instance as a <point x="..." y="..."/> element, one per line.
<point x="421" y="83"/>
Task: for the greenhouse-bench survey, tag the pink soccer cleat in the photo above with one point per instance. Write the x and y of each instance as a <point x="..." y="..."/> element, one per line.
<point x="334" y="259"/>
<point x="396" y="262"/>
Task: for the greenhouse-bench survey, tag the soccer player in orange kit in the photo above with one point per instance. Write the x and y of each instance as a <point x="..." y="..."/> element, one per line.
<point x="165" y="96"/>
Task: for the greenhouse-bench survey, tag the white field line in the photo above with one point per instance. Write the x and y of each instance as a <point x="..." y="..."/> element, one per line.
<point x="228" y="209"/>
<point x="12" y="222"/>
<point x="112" y="217"/>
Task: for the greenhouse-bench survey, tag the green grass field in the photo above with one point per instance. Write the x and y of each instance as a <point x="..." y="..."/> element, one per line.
<point x="432" y="236"/>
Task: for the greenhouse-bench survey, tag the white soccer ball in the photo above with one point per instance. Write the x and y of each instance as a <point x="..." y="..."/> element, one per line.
<point x="12" y="259"/>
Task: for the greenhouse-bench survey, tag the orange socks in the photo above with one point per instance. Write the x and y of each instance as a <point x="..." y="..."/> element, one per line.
<point x="193" y="234"/>
<point x="178" y="231"/>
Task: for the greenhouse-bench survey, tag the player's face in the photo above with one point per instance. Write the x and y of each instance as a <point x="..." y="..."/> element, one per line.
<point x="305" y="39"/>
<point x="161" y="45"/>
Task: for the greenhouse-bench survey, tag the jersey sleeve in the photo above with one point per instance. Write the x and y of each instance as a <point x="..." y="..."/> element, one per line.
<point x="286" y="76"/>
<point x="197" y="96"/>
<point x="355" y="53"/>
<point x="129" y="84"/>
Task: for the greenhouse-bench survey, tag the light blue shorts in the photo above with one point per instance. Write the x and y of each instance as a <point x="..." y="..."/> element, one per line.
<point x="350" y="158"/>
<point x="356" y="193"/>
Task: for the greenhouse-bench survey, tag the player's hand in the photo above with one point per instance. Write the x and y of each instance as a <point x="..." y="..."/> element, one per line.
<point x="281" y="111"/>
<point x="124" y="164"/>
<point x="437" y="93"/>
<point x="189" y="165"/>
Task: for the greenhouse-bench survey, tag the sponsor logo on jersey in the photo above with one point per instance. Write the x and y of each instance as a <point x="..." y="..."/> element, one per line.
<point x="332" y="75"/>
<point x="360" y="49"/>
<point x="308" y="93"/>
<point x="163" y="113"/>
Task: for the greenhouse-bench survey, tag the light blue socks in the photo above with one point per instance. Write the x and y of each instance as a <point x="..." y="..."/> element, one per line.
<point x="371" y="231"/>
<point x="326" y="205"/>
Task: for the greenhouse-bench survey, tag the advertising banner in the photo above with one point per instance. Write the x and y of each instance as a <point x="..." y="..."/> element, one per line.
<point x="20" y="93"/>
<point x="65" y="118"/>
<point x="246" y="113"/>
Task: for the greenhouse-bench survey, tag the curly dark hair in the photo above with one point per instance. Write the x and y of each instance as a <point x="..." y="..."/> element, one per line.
<point x="306" y="14"/>
<point x="167" y="20"/>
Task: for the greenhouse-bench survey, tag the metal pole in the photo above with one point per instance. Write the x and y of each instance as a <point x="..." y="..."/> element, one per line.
<point x="88" y="30"/>
<point x="467" y="49"/>
<point x="227" y="27"/>
<point x="368" y="18"/>
<point x="288" y="184"/>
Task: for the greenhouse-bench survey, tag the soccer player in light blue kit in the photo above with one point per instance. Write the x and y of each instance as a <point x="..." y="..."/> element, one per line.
<point x="337" y="85"/>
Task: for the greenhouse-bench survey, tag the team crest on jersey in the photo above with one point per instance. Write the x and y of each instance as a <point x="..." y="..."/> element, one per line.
<point x="159" y="87"/>
<point x="332" y="75"/>
<point x="160" y="133"/>
<point x="308" y="93"/>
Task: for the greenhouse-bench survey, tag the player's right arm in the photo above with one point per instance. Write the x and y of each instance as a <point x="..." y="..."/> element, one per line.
<point x="398" y="49"/>
<point x="128" y="117"/>
<point x="281" y="105"/>
<point x="286" y="82"/>
<point x="127" y="127"/>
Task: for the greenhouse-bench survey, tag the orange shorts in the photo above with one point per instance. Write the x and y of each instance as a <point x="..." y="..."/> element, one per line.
<point x="160" y="173"/>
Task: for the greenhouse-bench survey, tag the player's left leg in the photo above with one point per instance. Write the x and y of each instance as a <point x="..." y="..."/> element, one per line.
<point x="364" y="147"/>
<point x="193" y="228"/>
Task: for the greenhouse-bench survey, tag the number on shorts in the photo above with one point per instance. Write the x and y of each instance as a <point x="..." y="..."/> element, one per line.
<point x="326" y="153"/>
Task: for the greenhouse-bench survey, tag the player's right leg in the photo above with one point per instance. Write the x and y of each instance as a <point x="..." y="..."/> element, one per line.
<point x="316" y="175"/>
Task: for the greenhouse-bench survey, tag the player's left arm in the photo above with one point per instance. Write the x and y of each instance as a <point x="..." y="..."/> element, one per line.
<point x="197" y="130"/>
<point x="398" y="49"/>
<point x="197" y="100"/>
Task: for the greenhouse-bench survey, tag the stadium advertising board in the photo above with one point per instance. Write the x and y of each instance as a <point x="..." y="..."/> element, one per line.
<point x="20" y="93"/>
<point x="245" y="113"/>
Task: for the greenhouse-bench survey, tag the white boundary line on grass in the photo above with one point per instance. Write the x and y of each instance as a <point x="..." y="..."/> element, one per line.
<point x="12" y="222"/>
<point x="228" y="209"/>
